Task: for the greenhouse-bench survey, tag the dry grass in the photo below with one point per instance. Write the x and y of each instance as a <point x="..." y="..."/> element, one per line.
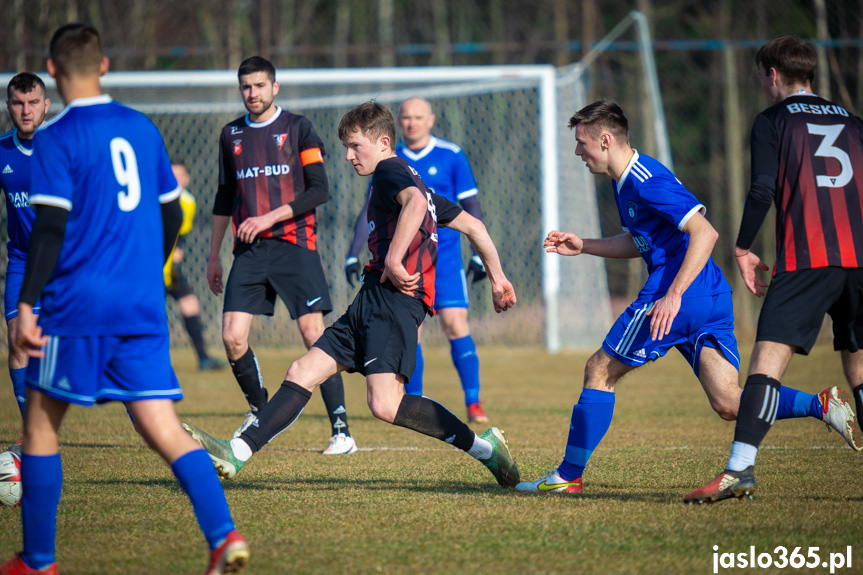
<point x="410" y="504"/>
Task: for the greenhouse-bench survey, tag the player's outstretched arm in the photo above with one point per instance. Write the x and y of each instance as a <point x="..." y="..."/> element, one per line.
<point x="702" y="238"/>
<point x="503" y="294"/>
<point x="568" y="244"/>
<point x="214" y="265"/>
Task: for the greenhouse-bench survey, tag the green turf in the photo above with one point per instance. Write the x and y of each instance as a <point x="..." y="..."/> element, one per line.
<point x="414" y="505"/>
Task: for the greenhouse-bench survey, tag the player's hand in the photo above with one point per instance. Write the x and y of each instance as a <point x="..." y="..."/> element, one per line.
<point x="476" y="267"/>
<point x="251" y="227"/>
<point x="404" y="282"/>
<point x="30" y="338"/>
<point x="502" y="295"/>
<point x="748" y="262"/>
<point x="563" y="243"/>
<point x="214" y="276"/>
<point x="352" y="270"/>
<point x="662" y="315"/>
<point x="177" y="255"/>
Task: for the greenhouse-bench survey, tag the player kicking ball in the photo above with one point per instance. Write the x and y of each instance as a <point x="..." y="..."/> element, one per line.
<point x="685" y="303"/>
<point x="377" y="335"/>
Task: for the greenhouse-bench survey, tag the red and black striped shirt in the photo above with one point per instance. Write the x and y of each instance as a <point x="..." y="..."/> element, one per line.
<point x="807" y="158"/>
<point x="261" y="168"/>
<point x="391" y="176"/>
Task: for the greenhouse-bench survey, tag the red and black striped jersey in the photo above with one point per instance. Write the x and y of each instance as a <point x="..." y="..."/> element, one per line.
<point x="813" y="150"/>
<point x="391" y="176"/>
<point x="261" y="167"/>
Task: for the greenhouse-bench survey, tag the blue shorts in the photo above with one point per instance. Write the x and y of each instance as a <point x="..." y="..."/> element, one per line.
<point x="14" y="279"/>
<point x="450" y="288"/>
<point x="706" y="320"/>
<point x="94" y="369"/>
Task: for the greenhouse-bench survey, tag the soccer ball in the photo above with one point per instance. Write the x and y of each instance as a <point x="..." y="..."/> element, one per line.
<point x="10" y="478"/>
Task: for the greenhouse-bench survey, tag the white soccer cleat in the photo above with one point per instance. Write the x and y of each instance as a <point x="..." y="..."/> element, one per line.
<point x="838" y="415"/>
<point x="341" y="444"/>
<point x="250" y="418"/>
<point x="551" y="483"/>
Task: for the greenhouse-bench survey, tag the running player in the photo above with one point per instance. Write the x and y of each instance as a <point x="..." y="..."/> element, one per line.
<point x="107" y="214"/>
<point x="444" y="168"/>
<point x="271" y="179"/>
<point x="807" y="154"/>
<point x="376" y="336"/>
<point x="685" y="303"/>
<point x="27" y="105"/>
<point x="176" y="284"/>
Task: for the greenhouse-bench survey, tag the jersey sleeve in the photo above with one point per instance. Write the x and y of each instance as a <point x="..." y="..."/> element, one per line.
<point x="169" y="189"/>
<point x="51" y="171"/>
<point x="667" y="198"/>
<point x="224" y="201"/>
<point x="445" y="210"/>
<point x="464" y="182"/>
<point x="390" y="179"/>
<point x="311" y="145"/>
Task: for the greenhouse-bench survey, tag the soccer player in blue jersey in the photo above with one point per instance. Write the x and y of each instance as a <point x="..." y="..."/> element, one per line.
<point x="107" y="214"/>
<point x="685" y="303"/>
<point x="376" y="336"/>
<point x="444" y="168"/>
<point x="27" y="105"/>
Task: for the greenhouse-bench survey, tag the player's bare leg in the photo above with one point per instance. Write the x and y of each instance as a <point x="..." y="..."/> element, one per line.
<point x="236" y="326"/>
<point x="18" y="360"/>
<point x="332" y="391"/>
<point x="720" y="380"/>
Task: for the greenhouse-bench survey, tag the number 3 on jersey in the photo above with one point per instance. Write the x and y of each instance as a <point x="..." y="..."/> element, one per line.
<point x="126" y="172"/>
<point x="827" y="150"/>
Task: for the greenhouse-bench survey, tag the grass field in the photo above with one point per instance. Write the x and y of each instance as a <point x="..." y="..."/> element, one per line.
<point x="409" y="504"/>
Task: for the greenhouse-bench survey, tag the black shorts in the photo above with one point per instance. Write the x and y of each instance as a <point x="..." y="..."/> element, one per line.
<point x="378" y="333"/>
<point x="796" y="302"/>
<point x="270" y="267"/>
<point x="179" y="287"/>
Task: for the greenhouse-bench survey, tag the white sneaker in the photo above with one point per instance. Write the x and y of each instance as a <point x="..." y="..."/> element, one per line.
<point x="341" y="444"/>
<point x="250" y="418"/>
<point x="838" y="415"/>
<point x="551" y="483"/>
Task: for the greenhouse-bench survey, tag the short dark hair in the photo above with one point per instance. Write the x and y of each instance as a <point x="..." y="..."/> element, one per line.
<point x="793" y="58"/>
<point x="603" y="114"/>
<point x="373" y="120"/>
<point x="257" y="64"/>
<point x="76" y="49"/>
<point x="24" y="83"/>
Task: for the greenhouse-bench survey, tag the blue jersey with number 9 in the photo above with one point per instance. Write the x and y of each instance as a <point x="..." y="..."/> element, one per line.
<point x="107" y="165"/>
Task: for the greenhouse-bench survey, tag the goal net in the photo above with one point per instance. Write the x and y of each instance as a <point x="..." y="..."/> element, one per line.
<point x="511" y="123"/>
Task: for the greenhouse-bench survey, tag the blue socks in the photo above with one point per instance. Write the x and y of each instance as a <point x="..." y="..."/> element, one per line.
<point x="18" y="386"/>
<point x="466" y="362"/>
<point x="415" y="385"/>
<point x="42" y="482"/>
<point x="198" y="478"/>
<point x="591" y="418"/>
<point x="794" y="403"/>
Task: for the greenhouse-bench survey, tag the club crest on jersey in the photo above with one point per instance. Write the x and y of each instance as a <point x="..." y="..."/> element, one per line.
<point x="631" y="210"/>
<point x="280" y="139"/>
<point x="238" y="147"/>
<point x="433" y="170"/>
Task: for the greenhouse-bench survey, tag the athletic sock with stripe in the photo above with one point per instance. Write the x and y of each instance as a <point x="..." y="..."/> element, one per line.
<point x="758" y="406"/>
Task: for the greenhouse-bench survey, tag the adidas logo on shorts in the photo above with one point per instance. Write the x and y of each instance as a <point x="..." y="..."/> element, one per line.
<point x="640" y="353"/>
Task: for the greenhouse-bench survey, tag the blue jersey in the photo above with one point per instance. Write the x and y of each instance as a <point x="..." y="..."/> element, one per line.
<point x="107" y="165"/>
<point x="443" y="168"/>
<point x="15" y="182"/>
<point x="654" y="206"/>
